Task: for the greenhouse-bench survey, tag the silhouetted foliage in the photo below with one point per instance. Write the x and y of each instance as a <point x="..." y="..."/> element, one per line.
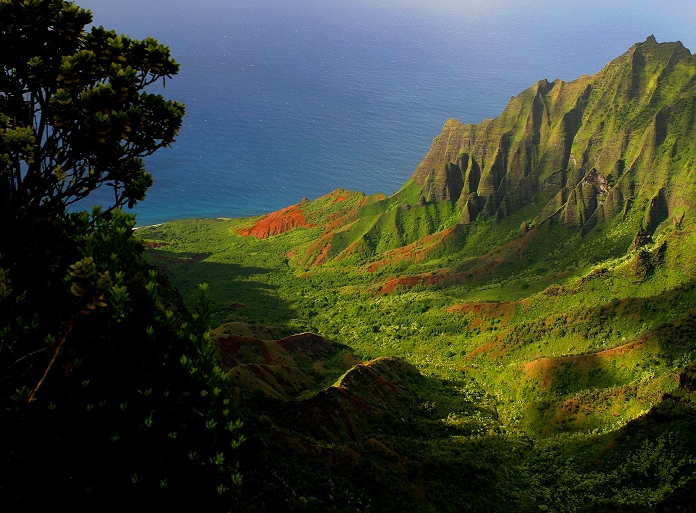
<point x="73" y="111"/>
<point x="110" y="391"/>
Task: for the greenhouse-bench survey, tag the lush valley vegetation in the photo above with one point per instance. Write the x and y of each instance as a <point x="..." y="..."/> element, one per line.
<point x="513" y="330"/>
<point x="523" y="308"/>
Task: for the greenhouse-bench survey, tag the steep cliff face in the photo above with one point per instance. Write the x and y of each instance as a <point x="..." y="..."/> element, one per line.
<point x="503" y="162"/>
<point x="579" y="149"/>
<point x="580" y="153"/>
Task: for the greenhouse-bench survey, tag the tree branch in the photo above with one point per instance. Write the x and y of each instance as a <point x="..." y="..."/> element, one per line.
<point x="55" y="356"/>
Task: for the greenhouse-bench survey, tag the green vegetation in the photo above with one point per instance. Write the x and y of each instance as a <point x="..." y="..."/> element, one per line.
<point x="538" y="372"/>
<point x="75" y="116"/>
<point x="513" y="330"/>
<point x="111" y="390"/>
<point x="111" y="394"/>
<point x="534" y="271"/>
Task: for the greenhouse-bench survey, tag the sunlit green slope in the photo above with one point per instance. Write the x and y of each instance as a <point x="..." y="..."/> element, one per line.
<point x="577" y="153"/>
<point x="537" y="269"/>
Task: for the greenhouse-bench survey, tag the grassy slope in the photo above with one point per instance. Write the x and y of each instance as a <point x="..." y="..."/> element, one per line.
<point x="575" y="340"/>
<point x="573" y="346"/>
<point x="585" y="300"/>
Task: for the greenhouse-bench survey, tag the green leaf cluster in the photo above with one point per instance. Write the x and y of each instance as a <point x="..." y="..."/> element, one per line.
<point x="110" y="391"/>
<point x="74" y="113"/>
<point x="113" y="388"/>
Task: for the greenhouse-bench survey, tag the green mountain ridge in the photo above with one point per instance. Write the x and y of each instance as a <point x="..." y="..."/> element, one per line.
<point x="512" y="330"/>
<point x="588" y="144"/>
<point x="577" y="153"/>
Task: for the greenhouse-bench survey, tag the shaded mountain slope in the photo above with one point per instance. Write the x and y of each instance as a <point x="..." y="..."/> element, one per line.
<point x="279" y="369"/>
<point x="349" y="447"/>
<point x="646" y="465"/>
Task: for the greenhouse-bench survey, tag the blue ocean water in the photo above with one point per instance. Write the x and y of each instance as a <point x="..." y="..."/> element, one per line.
<point x="293" y="98"/>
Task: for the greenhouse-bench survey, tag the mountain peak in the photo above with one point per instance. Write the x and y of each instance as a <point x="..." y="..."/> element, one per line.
<point x="551" y="136"/>
<point x="579" y="154"/>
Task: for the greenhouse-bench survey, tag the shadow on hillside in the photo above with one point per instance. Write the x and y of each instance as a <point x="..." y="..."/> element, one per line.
<point x="588" y="389"/>
<point x="237" y="292"/>
<point x="387" y="436"/>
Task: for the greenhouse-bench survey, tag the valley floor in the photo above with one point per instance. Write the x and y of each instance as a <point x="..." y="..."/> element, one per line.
<point x="493" y="379"/>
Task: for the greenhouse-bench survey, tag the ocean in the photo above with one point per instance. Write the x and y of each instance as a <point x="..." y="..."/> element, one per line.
<point x="288" y="99"/>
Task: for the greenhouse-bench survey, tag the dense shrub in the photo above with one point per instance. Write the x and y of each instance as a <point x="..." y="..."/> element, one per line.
<point x="111" y="392"/>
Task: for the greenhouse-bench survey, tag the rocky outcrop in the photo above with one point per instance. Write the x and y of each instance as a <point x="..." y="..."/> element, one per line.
<point x="472" y="207"/>
<point x="657" y="211"/>
<point x="591" y="145"/>
<point x="616" y="144"/>
<point x="583" y="201"/>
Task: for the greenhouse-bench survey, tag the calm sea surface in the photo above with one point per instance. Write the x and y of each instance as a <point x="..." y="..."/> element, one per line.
<point x="288" y="99"/>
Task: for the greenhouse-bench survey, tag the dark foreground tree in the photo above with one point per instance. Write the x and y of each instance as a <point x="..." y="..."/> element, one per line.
<point x="110" y="392"/>
<point x="75" y="115"/>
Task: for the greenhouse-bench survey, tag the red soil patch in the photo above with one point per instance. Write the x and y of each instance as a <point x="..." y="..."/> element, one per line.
<point x="478" y="323"/>
<point x="276" y="223"/>
<point x="495" y="349"/>
<point x="377" y="265"/>
<point x="323" y="255"/>
<point x="432" y="279"/>
<point x="410" y="281"/>
<point x="340" y="219"/>
<point x="485" y="265"/>
<point x="485" y="348"/>
<point x="336" y="196"/>
<point x="155" y="245"/>
<point x="519" y="245"/>
<point x="485" y="311"/>
<point x="414" y="252"/>
<point x="348" y="251"/>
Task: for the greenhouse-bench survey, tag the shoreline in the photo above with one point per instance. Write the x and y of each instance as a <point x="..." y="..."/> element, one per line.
<point x="149" y="226"/>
